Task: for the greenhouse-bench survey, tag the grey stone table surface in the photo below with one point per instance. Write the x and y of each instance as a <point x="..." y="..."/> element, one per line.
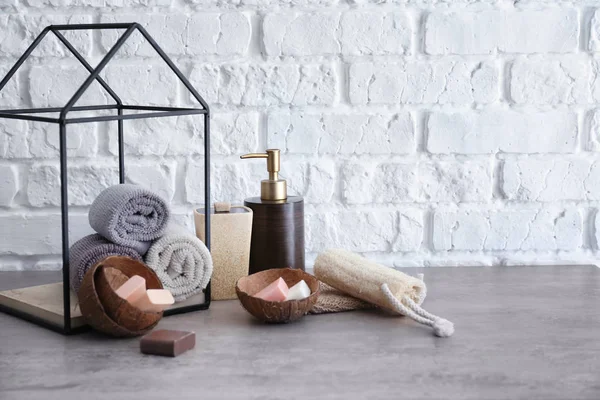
<point x="521" y="333"/>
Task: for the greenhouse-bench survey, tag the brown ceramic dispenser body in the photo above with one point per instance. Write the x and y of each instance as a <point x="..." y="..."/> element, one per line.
<point x="277" y="233"/>
<point x="278" y="223"/>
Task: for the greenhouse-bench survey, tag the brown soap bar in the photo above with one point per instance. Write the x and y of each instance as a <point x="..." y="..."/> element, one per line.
<point x="164" y="342"/>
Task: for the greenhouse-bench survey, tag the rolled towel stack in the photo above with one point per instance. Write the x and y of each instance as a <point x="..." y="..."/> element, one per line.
<point x="89" y="251"/>
<point x="127" y="218"/>
<point x="134" y="222"/>
<point x="129" y="215"/>
<point x="181" y="261"/>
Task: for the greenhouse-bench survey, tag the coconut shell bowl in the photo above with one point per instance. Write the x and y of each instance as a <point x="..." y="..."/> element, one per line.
<point x="104" y="310"/>
<point x="276" y="311"/>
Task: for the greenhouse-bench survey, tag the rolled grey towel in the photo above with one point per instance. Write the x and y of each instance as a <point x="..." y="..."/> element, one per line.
<point x="91" y="249"/>
<point x="129" y="215"/>
<point x="181" y="261"/>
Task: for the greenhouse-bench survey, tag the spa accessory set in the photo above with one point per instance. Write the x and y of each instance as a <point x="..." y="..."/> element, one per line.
<point x="122" y="296"/>
<point x="133" y="224"/>
<point x="130" y="219"/>
<point x="139" y="265"/>
<point x="54" y="305"/>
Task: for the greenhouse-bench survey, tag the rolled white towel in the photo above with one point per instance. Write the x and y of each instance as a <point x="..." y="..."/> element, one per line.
<point x="181" y="261"/>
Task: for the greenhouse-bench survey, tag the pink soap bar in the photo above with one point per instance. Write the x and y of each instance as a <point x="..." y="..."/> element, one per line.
<point x="154" y="300"/>
<point x="133" y="289"/>
<point x="276" y="291"/>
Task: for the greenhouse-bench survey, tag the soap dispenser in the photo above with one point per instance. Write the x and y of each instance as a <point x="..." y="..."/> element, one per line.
<point x="278" y="223"/>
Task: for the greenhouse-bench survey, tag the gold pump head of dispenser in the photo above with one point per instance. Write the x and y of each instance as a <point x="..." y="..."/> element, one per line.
<point x="273" y="188"/>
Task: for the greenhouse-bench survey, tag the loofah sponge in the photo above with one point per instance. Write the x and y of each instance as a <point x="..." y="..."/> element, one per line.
<point x="379" y="285"/>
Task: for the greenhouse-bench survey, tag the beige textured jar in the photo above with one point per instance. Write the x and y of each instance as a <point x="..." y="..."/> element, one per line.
<point x="231" y="231"/>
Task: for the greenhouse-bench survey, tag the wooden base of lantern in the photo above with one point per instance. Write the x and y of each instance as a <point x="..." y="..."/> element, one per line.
<point x="43" y="303"/>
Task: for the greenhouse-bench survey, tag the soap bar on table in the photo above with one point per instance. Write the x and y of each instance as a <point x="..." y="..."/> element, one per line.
<point x="164" y="342"/>
<point x="299" y="291"/>
<point x="154" y="300"/>
<point x="276" y="291"/>
<point x="133" y="289"/>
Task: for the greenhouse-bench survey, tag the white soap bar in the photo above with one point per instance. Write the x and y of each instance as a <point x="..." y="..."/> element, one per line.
<point x="299" y="291"/>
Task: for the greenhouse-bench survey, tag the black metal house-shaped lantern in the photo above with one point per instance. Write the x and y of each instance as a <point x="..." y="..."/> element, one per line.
<point x="67" y="116"/>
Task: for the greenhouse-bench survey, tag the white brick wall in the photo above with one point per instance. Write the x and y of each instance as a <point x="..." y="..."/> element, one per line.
<point x="420" y="132"/>
<point x="437" y="82"/>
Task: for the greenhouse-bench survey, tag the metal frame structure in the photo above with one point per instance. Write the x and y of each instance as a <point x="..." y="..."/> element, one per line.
<point x="121" y="114"/>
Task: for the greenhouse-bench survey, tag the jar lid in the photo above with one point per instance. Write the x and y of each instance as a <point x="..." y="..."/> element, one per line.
<point x="222" y="207"/>
<point x="225" y="208"/>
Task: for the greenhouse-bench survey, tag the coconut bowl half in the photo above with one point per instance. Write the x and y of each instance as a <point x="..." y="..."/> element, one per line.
<point x="276" y="311"/>
<point x="104" y="310"/>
